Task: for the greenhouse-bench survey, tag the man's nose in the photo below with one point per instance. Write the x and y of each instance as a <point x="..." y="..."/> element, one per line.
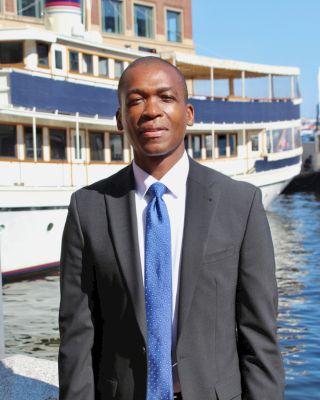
<point x="152" y="108"/>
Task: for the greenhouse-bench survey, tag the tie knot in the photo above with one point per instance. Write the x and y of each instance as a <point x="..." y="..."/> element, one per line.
<point x="157" y="189"/>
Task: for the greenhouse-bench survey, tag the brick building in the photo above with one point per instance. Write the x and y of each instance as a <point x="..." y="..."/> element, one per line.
<point x="150" y="25"/>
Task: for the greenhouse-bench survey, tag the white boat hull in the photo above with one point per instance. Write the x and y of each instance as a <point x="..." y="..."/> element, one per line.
<point x="30" y="240"/>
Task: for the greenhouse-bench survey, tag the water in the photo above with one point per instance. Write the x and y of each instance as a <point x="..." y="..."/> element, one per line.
<point x="295" y="226"/>
<point x="31" y="308"/>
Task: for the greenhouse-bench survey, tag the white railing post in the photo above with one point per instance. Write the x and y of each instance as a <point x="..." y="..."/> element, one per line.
<point x="1" y="313"/>
<point x="212" y="83"/>
<point x="77" y="138"/>
<point x="243" y="85"/>
<point x="34" y="135"/>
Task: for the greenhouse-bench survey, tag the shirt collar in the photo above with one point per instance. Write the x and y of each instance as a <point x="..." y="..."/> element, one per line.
<point x="175" y="179"/>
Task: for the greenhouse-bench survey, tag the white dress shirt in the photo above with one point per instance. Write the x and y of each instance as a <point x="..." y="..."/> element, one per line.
<point x="175" y="180"/>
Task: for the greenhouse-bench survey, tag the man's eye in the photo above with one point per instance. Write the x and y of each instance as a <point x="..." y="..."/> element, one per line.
<point x="167" y="97"/>
<point x="133" y="101"/>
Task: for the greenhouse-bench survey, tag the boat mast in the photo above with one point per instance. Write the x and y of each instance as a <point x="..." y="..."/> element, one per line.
<point x="318" y="105"/>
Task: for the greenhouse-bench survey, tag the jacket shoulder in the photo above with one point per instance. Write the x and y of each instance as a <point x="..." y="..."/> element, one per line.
<point x="226" y="184"/>
<point x="115" y="184"/>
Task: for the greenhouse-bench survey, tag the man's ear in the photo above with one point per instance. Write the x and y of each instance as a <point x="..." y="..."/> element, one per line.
<point x="190" y="114"/>
<point x="119" y="122"/>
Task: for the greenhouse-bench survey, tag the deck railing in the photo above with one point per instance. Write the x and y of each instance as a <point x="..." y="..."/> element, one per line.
<point x="67" y="97"/>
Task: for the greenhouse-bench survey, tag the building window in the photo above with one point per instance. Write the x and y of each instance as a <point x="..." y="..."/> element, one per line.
<point x="7" y="141"/>
<point x="30" y="8"/>
<point x="43" y="54"/>
<point x="96" y="146"/>
<point x="112" y="16"/>
<point x="28" y="141"/>
<point x="87" y="64"/>
<point x="57" y="144"/>
<point x="116" y="145"/>
<point x="174" y="26"/>
<point x="208" y="144"/>
<point x="74" y="61"/>
<point x="103" y="67"/>
<point x="196" y="146"/>
<point x="118" y="68"/>
<point x="58" y="59"/>
<point x="143" y="21"/>
<point x="11" y="53"/>
<point x="83" y="10"/>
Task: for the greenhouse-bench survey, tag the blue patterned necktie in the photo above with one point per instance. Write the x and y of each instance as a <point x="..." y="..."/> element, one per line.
<point x="158" y="296"/>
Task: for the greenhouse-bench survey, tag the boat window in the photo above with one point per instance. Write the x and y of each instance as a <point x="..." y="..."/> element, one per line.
<point x="196" y="146"/>
<point x="297" y="137"/>
<point x="7" y="141"/>
<point x="74" y="61"/>
<point x="116" y="145"/>
<point x="58" y="143"/>
<point x="87" y="64"/>
<point x="143" y="21"/>
<point x="103" y="67"/>
<point x="208" y="144"/>
<point x="269" y="141"/>
<point x="43" y="54"/>
<point x="227" y="144"/>
<point x="112" y="16"/>
<point x="11" y="53"/>
<point x="222" y="145"/>
<point x="58" y="59"/>
<point x="28" y="141"/>
<point x="233" y="143"/>
<point x="174" y="26"/>
<point x="118" y="68"/>
<point x="186" y="142"/>
<point x="254" y="142"/>
<point x="96" y="146"/>
<point x="281" y="140"/>
<point x="30" y="8"/>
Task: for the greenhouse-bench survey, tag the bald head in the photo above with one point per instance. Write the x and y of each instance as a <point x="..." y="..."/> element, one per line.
<point x="157" y="63"/>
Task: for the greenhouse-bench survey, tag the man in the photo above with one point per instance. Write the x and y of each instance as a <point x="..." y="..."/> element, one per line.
<point x="222" y="292"/>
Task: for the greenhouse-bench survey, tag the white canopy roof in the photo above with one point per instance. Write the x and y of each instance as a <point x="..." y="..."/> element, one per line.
<point x="196" y="66"/>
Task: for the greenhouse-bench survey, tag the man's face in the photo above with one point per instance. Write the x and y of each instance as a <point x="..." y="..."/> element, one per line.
<point x="153" y="112"/>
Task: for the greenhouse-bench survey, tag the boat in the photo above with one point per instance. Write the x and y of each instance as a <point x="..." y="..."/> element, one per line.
<point x="58" y="81"/>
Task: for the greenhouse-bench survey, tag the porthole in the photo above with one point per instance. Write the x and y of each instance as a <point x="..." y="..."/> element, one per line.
<point x="50" y="227"/>
<point x="2" y="227"/>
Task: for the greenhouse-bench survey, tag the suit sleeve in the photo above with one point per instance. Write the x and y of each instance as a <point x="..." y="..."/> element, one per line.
<point x="260" y="357"/>
<point x="76" y="378"/>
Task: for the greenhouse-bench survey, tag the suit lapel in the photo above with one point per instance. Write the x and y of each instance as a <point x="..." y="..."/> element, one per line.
<point x="122" y="219"/>
<point x="201" y="201"/>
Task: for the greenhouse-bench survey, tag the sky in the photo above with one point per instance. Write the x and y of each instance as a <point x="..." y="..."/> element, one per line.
<point x="276" y="32"/>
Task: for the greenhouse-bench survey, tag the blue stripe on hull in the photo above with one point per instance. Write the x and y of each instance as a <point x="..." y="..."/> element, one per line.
<point x="30" y="272"/>
<point x="265" y="165"/>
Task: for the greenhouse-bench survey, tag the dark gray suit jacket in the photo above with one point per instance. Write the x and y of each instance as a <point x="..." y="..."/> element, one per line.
<point x="226" y="346"/>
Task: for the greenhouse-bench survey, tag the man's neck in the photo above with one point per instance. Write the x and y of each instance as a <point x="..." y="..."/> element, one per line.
<point x="158" y="166"/>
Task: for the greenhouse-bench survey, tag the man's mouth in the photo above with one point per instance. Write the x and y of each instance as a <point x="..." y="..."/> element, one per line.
<point x="153" y="132"/>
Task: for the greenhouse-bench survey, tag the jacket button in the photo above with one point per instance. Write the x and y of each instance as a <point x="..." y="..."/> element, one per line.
<point x="143" y="350"/>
